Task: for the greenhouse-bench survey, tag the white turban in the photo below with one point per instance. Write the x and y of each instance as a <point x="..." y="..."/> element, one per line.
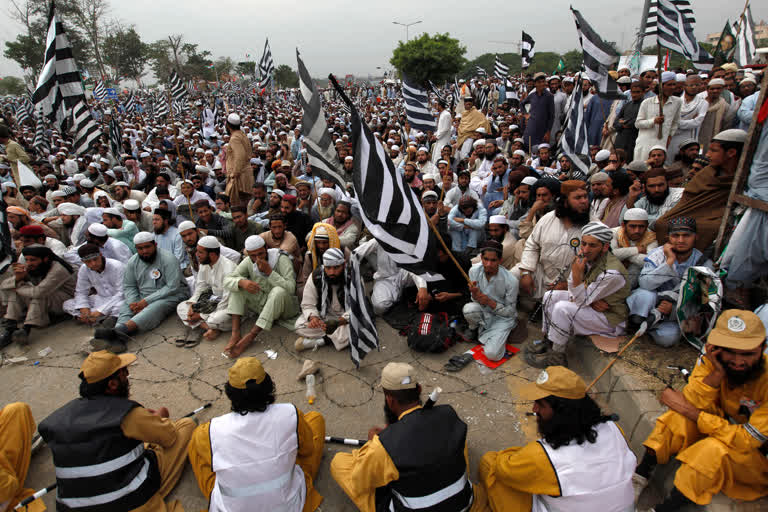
<point x="97" y="229"/>
<point x="254" y="243"/>
<point x="326" y="191"/>
<point x="529" y="180"/>
<point x="71" y="209"/>
<point x="333" y="257"/>
<point x="143" y="237"/>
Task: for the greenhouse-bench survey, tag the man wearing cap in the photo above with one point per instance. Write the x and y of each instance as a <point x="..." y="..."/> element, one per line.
<point x="600" y="184"/>
<point x="659" y="284"/>
<point x="265" y="283"/>
<point x="717" y="107"/>
<point x="110" y="248"/>
<point x="693" y="110"/>
<point x="717" y="427"/>
<point x="110" y="452"/>
<point x="648" y="118"/>
<point x="418" y="461"/>
<point x="471" y="120"/>
<point x="659" y="198"/>
<point x="540" y="116"/>
<point x="19" y="217"/>
<point x="119" y="228"/>
<point x="207" y="307"/>
<point x="141" y="218"/>
<point x="263" y="456"/>
<point x="34" y="234"/>
<point x="632" y="241"/>
<point x="101" y="275"/>
<point x="581" y="462"/>
<point x="123" y="192"/>
<point x="238" y="154"/>
<point x="498" y="230"/>
<point x="592" y="304"/>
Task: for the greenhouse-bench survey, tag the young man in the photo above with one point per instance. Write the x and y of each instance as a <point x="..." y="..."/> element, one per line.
<point x="105" y="277"/>
<point x="648" y="118"/>
<point x="632" y="241"/>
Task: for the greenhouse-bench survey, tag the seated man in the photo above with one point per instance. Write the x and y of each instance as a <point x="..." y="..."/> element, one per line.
<point x="718" y="425"/>
<point x="242" y="227"/>
<point x="278" y="237"/>
<point x="324" y="318"/>
<point x="656" y="298"/>
<point x="133" y="212"/>
<point x="17" y="429"/>
<point x="321" y="238"/>
<point x="659" y="197"/>
<point x="122" y="230"/>
<point x="632" y="241"/>
<point x="493" y="311"/>
<point x="110" y="452"/>
<point x="212" y="223"/>
<point x="417" y="461"/>
<point x="99" y="290"/>
<point x="190" y="235"/>
<point x="153" y="285"/>
<point x="35" y="290"/>
<point x="582" y="461"/>
<point x="110" y="248"/>
<point x="498" y="229"/>
<point x="346" y="227"/>
<point x="207" y="307"/>
<point x="166" y="236"/>
<point x="466" y="223"/>
<point x="593" y="302"/>
<point x="263" y="282"/>
<point x="256" y="443"/>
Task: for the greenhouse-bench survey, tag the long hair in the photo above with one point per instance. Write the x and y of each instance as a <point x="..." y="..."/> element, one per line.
<point x="573" y="420"/>
<point x="254" y="398"/>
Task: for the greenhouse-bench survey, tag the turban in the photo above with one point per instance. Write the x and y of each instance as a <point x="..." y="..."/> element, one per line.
<point x="322" y="231"/>
<point x="598" y="230"/>
<point x="635" y="214"/>
<point x="327" y="191"/>
<point x="254" y="243"/>
<point x="278" y="192"/>
<point x="209" y="242"/>
<point x="17" y="211"/>
<point x="88" y="251"/>
<point x="38" y="251"/>
<point x="143" y="237"/>
<point x="99" y="230"/>
<point x="71" y="209"/>
<point x="333" y="257"/>
<point x="668" y="76"/>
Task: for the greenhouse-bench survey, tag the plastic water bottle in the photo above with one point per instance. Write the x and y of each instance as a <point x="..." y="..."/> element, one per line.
<point x="310" y="379"/>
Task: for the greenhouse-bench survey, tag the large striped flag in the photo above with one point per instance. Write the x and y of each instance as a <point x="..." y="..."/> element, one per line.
<point x="437" y="92"/>
<point x="573" y="141"/>
<point x="672" y="21"/>
<point x="266" y="66"/>
<point x="24" y="110"/>
<point x="178" y="90"/>
<point x="130" y="103"/>
<point x="320" y="149"/>
<point x="86" y="130"/>
<point x="417" y="107"/>
<point x="480" y="72"/>
<point x="526" y="50"/>
<point x="40" y="142"/>
<point x="599" y="58"/>
<point x="746" y="49"/>
<point x="100" y="91"/>
<point x="500" y="70"/>
<point x="363" y="336"/>
<point x="115" y="136"/>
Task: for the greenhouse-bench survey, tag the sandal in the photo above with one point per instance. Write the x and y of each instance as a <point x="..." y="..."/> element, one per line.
<point x="457" y="363"/>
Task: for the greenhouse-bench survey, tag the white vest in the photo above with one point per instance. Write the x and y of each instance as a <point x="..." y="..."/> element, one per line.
<point x="254" y="458"/>
<point x="591" y="476"/>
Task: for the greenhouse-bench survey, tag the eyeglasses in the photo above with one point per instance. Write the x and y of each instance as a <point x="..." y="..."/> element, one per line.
<point x="613" y="161"/>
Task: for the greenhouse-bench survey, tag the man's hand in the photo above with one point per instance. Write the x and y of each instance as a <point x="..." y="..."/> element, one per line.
<point x="665" y="307"/>
<point x="374" y="432"/>
<point x="715" y="378"/>
<point x="423" y="298"/>
<point x="459" y="220"/>
<point x="342" y="321"/>
<point x="669" y="254"/>
<point x="634" y="192"/>
<point x="162" y="412"/>
<point x="445" y="296"/>
<point x="600" y="306"/>
<point x="137" y="307"/>
<point x="85" y="316"/>
<point x="642" y="249"/>
<point x="526" y="283"/>
<point x="193" y="316"/>
<point x="263" y="266"/>
<point x="249" y="286"/>
<point x="19" y="271"/>
<point x="676" y="401"/>
<point x="578" y="268"/>
<point x="316" y="323"/>
<point x="658" y="120"/>
<point x="495" y="204"/>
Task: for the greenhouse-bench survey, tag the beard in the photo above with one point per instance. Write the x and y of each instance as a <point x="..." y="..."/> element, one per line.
<point x="41" y="270"/>
<point x="741" y="377"/>
<point x="410" y="178"/>
<point x="337" y="280"/>
<point x="389" y="415"/>
<point x="491" y="156"/>
<point x="687" y="159"/>
<point x="124" y="390"/>
<point x="148" y="259"/>
<point x="565" y="210"/>
<point x="160" y="230"/>
<point x="658" y="199"/>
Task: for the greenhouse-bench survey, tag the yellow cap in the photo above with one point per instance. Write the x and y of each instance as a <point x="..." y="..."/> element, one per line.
<point x="738" y="329"/>
<point x="100" y="365"/>
<point x="245" y="369"/>
<point x="396" y="376"/>
<point x="557" y="381"/>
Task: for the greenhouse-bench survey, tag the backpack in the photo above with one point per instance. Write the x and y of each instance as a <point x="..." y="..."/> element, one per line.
<point x="431" y="333"/>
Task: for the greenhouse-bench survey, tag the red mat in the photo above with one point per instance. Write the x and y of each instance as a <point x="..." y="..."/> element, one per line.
<point x="479" y="355"/>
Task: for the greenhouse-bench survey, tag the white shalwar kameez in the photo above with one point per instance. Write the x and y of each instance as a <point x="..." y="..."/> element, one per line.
<point x="109" y="290"/>
<point x="210" y="277"/>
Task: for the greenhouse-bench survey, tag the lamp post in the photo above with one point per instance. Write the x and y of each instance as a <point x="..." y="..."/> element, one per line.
<point x="406" y="25"/>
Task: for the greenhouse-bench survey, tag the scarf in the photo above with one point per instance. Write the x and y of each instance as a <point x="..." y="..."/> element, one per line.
<point x="333" y="241"/>
<point x="648" y="238"/>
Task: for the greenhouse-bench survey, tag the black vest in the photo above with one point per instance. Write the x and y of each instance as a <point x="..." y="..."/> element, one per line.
<point x="427" y="448"/>
<point x="92" y="457"/>
<point x="317" y="280"/>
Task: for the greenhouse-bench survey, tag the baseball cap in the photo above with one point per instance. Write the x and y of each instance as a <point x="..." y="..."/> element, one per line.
<point x="397" y="376"/>
<point x="738" y="329"/>
<point x="555" y="380"/>
<point x="100" y="365"/>
<point x="245" y="369"/>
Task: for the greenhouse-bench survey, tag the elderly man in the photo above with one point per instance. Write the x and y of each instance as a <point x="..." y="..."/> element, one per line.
<point x="593" y="302"/>
<point x="492" y="314"/>
<point x="35" y="291"/>
<point x="207" y="307"/>
<point x="238" y="155"/>
<point x="659" y="198"/>
<point x="632" y="241"/>
<point x="101" y="275"/>
<point x="718" y="425"/>
<point x="324" y="318"/>
<point x="263" y="282"/>
<point x="648" y="118"/>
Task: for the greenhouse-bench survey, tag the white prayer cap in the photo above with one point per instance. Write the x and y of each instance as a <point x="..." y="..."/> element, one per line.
<point x="102" y="159"/>
<point x="58" y="193"/>
<point x="86" y="183"/>
<point x="568" y="80"/>
<point x="254" y="243"/>
<point x="424" y="149"/>
<point x="520" y="140"/>
<point x="432" y="177"/>
<point x="602" y="155"/>
<point x="598" y="230"/>
<point x="78" y="177"/>
<point x="457" y="116"/>
<point x="519" y="152"/>
<point x="333" y="257"/>
<point x="498" y="219"/>
<point x="544" y="145"/>
<point x="112" y="211"/>
<point x="395" y="148"/>
<point x="71" y="209"/>
<point x="442" y="162"/>
<point x="131" y="204"/>
<point x="623" y="67"/>
<point x="749" y="79"/>
<point x="110" y="173"/>
<point x="680" y="77"/>
<point x="716" y="81"/>
<point x="144" y="155"/>
<point x="233" y="119"/>
<point x="278" y="192"/>
<point x="732" y="135"/>
<point x="143" y="237"/>
<point x="50" y="177"/>
<point x="667" y="76"/>
<point x="429" y="194"/>
<point x="326" y="191"/>
<point x="209" y="242"/>
<point x="657" y="146"/>
<point x="478" y="142"/>
<point x="624" y="80"/>
<point x="480" y="130"/>
<point x="599" y="177"/>
<point x="97" y="229"/>
<point x="121" y="184"/>
<point x="201" y="168"/>
<point x="92" y="164"/>
<point x="528" y="180"/>
<point x="635" y="214"/>
<point x="347" y="158"/>
<point x="208" y="152"/>
<point x="186" y="225"/>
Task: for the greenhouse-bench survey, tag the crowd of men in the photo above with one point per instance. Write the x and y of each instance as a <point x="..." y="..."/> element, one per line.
<point x="221" y="219"/>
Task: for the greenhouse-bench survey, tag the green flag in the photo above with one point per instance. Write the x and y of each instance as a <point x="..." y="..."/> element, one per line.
<point x="726" y="45"/>
<point x="560" y="67"/>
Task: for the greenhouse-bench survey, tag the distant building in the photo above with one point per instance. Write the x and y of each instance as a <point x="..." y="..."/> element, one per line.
<point x="761" y="32"/>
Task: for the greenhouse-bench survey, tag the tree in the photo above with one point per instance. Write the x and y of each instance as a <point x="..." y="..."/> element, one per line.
<point x="89" y="16"/>
<point x="12" y="85"/>
<point x="125" y="53"/>
<point x="573" y="60"/>
<point x="247" y="67"/>
<point x="437" y="58"/>
<point x="544" y="61"/>
<point x="224" y="65"/>
<point x="286" y="77"/>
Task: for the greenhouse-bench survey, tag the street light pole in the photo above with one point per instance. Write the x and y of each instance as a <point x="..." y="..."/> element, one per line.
<point x="406" y="25"/>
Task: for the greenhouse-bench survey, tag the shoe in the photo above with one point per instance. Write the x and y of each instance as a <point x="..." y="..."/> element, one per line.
<point x="301" y="344"/>
<point x="6" y="337"/>
<point x="550" y="358"/>
<point x="21" y="336"/>
<point x="639" y="483"/>
<point x="104" y="333"/>
<point x="310" y="367"/>
<point x="634" y="322"/>
<point x="538" y="346"/>
<point x="654" y="317"/>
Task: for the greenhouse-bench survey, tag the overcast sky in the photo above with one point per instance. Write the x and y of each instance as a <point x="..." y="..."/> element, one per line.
<point x="355" y="37"/>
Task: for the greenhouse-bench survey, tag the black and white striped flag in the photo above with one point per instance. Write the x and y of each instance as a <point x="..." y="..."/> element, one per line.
<point x="573" y="141"/>
<point x="746" y="49"/>
<point x="500" y="70"/>
<point x="481" y="97"/>
<point x="179" y="107"/>
<point x="40" y="142"/>
<point x="599" y="58"/>
<point x="440" y="94"/>
<point x="526" y="50"/>
<point x="24" y="110"/>
<point x="130" y="103"/>
<point x="480" y="72"/>
<point x="178" y="91"/>
<point x="115" y="136"/>
<point x="266" y="66"/>
<point x="363" y="336"/>
<point x="320" y="149"/>
<point x="100" y="91"/>
<point x="160" y="109"/>
<point x="672" y="21"/>
<point x="511" y="91"/>
<point x="86" y="131"/>
<point x="417" y="107"/>
<point x="59" y="87"/>
<point x="190" y="86"/>
<point x="388" y="206"/>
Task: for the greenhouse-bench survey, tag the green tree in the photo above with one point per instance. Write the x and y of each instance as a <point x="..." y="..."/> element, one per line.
<point x="437" y="58"/>
<point x="573" y="60"/>
<point x="544" y="61"/>
<point x="12" y="85"/>
<point x="175" y="54"/>
<point x="125" y="54"/>
<point x="286" y="77"/>
<point x="247" y="67"/>
<point x="224" y="65"/>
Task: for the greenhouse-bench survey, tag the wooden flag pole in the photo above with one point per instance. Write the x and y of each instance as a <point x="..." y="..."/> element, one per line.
<point x="661" y="86"/>
<point x="639" y="333"/>
<point x="447" y="250"/>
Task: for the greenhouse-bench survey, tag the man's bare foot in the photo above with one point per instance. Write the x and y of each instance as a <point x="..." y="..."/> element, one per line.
<point x="231" y="344"/>
<point x="243" y="344"/>
<point x="211" y="334"/>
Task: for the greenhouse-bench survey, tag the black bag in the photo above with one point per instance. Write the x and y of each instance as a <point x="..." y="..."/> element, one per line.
<point x="431" y="333"/>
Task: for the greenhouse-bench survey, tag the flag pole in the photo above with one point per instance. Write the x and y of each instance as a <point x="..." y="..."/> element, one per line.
<point x="178" y="151"/>
<point x="661" y="87"/>
<point x="447" y="250"/>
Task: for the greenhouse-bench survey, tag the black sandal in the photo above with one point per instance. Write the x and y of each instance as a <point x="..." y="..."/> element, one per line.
<point x="457" y="363"/>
